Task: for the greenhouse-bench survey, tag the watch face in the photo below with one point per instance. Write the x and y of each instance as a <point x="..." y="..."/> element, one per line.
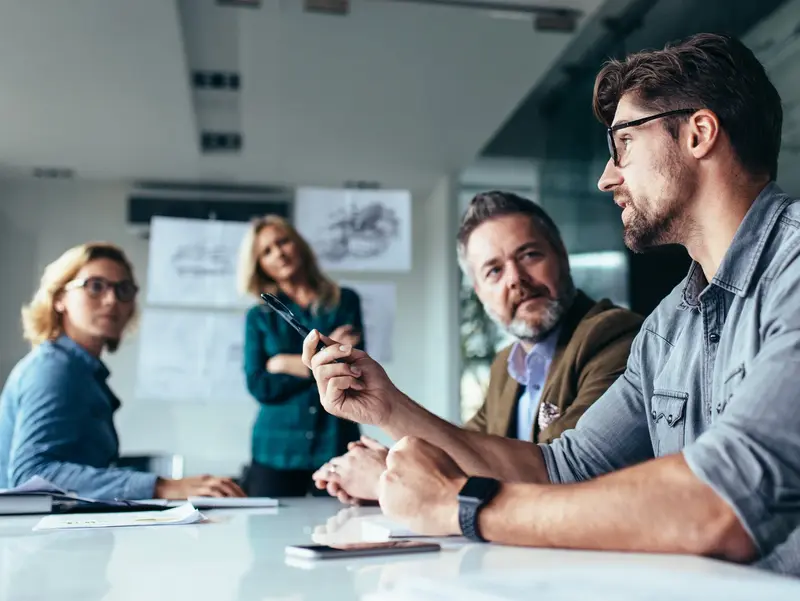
<point x="479" y="489"/>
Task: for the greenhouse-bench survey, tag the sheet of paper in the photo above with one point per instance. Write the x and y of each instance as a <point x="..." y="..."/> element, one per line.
<point x="379" y="309"/>
<point x="191" y="356"/>
<point x="36" y="484"/>
<point x="356" y="230"/>
<point x="192" y="262"/>
<point x="184" y="514"/>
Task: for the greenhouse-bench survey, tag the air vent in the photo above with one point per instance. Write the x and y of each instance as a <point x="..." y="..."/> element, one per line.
<point x="328" y="7"/>
<point x="240" y="3"/>
<point x="216" y="80"/>
<point x="53" y="173"/>
<point x="219" y="142"/>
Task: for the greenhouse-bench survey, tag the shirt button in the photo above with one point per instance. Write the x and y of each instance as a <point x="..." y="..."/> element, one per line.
<point x="653" y="415"/>
<point x="713" y="338"/>
<point x="669" y="419"/>
<point x="719" y="407"/>
<point x="309" y="435"/>
<point x="312" y="410"/>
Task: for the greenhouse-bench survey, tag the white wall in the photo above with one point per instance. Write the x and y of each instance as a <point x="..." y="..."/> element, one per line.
<point x="41" y="219"/>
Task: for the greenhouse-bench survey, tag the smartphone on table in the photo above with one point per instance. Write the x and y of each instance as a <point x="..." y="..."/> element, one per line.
<point x="394" y="547"/>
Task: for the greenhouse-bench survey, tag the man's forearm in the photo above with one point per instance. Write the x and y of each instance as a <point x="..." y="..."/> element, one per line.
<point x="659" y="506"/>
<point x="476" y="453"/>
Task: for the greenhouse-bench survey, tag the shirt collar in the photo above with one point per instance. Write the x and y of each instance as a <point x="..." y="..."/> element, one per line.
<point x="519" y="360"/>
<point x="737" y="270"/>
<point x="76" y="351"/>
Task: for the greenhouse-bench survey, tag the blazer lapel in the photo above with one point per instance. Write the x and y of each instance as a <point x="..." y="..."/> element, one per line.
<point x="506" y="404"/>
<point x="580" y="307"/>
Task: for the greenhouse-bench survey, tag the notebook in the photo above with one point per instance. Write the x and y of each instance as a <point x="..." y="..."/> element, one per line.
<point x="218" y="502"/>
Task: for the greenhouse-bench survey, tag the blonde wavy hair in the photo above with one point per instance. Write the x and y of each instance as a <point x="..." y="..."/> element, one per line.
<point x="253" y="280"/>
<point x="40" y="320"/>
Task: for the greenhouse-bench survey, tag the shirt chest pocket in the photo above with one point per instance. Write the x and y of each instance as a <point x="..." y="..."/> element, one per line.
<point x="668" y="412"/>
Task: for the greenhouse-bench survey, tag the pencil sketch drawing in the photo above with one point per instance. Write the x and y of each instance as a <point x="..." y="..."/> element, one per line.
<point x="365" y="231"/>
<point x="200" y="259"/>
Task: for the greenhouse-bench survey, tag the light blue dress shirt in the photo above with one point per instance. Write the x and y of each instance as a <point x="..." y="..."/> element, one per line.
<point x="530" y="370"/>
<point x="56" y="421"/>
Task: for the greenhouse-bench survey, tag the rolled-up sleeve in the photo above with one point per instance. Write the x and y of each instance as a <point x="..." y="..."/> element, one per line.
<point x="751" y="457"/>
<point x="611" y="435"/>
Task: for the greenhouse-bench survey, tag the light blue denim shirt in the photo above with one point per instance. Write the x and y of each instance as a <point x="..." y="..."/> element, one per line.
<point x="56" y="421"/>
<point x="530" y="370"/>
<point x="715" y="374"/>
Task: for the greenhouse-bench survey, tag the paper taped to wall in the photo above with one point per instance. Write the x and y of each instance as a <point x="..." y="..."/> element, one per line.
<point x="378" y="308"/>
<point x="193" y="262"/>
<point x="356" y="230"/>
<point x="189" y="355"/>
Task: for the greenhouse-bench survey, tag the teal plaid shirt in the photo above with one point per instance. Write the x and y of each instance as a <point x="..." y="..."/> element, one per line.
<point x="292" y="431"/>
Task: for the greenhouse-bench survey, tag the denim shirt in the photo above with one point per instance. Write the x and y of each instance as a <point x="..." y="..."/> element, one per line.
<point x="714" y="374"/>
<point x="56" y="421"/>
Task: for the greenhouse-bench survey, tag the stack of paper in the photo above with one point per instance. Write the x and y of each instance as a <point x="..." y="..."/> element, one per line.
<point x="185" y="514"/>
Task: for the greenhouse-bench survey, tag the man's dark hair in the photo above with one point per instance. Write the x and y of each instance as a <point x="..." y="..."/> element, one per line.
<point x="711" y="71"/>
<point x="490" y="205"/>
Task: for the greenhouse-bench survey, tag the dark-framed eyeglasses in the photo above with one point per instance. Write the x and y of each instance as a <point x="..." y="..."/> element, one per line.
<point x="612" y="147"/>
<point x="96" y="286"/>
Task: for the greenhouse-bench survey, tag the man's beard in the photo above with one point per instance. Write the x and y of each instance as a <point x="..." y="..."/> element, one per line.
<point x="549" y="316"/>
<point x="664" y="221"/>
<point x="645" y="230"/>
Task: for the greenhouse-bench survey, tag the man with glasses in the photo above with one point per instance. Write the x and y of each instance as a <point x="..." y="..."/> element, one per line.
<point x="696" y="448"/>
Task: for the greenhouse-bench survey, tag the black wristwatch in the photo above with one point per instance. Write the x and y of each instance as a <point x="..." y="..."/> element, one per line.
<point x="476" y="493"/>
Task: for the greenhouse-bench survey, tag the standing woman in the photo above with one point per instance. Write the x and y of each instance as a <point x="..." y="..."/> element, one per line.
<point x="292" y="435"/>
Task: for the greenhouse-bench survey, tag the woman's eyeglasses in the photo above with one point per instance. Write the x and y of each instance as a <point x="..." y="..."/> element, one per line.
<point x="95" y="287"/>
<point x="612" y="146"/>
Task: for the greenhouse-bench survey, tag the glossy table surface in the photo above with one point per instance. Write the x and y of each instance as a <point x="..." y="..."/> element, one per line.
<point x="239" y="555"/>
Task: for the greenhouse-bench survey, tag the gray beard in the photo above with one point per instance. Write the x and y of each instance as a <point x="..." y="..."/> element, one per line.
<point x="551" y="315"/>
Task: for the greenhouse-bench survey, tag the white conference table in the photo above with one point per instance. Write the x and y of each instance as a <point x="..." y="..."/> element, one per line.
<point x="239" y="555"/>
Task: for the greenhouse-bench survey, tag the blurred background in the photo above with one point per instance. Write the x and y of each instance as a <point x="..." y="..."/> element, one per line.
<point x="116" y="112"/>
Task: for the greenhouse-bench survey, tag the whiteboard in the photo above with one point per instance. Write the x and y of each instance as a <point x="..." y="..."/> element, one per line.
<point x="193" y="263"/>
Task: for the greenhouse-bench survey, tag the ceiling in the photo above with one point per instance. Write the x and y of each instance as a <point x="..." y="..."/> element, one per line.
<point x="395" y="92"/>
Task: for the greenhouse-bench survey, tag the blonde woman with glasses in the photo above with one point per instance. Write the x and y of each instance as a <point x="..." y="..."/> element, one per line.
<point x="292" y="435"/>
<point x="56" y="409"/>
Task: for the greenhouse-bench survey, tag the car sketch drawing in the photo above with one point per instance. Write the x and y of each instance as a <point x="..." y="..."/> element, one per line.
<point x="200" y="259"/>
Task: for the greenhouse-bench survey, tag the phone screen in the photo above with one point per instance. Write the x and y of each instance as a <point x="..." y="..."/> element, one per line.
<point x="361" y="549"/>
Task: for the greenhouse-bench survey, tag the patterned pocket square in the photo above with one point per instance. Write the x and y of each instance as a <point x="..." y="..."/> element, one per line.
<point x="548" y="413"/>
